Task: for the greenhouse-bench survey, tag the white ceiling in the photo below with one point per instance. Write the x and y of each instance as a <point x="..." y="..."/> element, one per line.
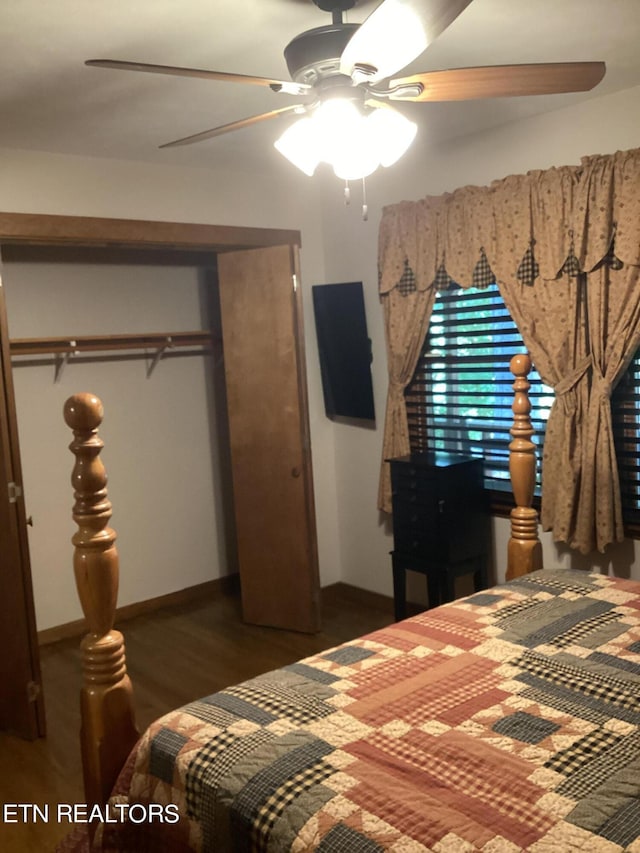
<point x="50" y="101"/>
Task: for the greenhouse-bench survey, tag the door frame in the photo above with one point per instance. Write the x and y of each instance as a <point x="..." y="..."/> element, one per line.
<point x="192" y="241"/>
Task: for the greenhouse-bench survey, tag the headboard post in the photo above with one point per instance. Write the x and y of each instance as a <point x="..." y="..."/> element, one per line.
<point x="524" y="553"/>
<point x="106" y="700"/>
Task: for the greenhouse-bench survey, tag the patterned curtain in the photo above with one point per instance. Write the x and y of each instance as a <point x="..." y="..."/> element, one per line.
<point x="407" y="309"/>
<point x="564" y="246"/>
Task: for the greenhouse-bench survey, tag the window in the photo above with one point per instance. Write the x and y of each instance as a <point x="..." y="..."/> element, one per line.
<point x="626" y="434"/>
<point x="460" y="397"/>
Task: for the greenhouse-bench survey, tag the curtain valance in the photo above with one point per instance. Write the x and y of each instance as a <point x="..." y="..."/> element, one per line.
<point x="521" y="228"/>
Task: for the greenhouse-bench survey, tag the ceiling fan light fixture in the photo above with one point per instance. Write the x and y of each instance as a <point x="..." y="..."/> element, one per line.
<point x="353" y="152"/>
<point x="299" y="144"/>
<point x="344" y="139"/>
<point x="354" y="143"/>
<point x="393" y="133"/>
<point x="356" y="160"/>
<point x="348" y="73"/>
<point x="335" y="121"/>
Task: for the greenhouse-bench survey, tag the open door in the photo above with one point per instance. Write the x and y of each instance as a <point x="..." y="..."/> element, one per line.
<point x="261" y="309"/>
<point x="21" y="701"/>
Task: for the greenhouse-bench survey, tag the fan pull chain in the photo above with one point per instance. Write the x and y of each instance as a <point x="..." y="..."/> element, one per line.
<point x="347" y="198"/>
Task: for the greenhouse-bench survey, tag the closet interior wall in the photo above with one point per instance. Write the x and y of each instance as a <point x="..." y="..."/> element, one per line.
<point x="165" y="428"/>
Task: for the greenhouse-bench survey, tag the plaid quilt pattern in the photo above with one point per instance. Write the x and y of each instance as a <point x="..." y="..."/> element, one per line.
<point x="506" y="721"/>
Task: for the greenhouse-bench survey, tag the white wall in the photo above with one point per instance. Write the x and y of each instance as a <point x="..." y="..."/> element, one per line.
<point x="602" y="125"/>
<point x="163" y="453"/>
<point x="35" y="182"/>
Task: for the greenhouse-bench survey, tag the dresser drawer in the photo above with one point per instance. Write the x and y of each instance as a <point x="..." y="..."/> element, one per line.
<point x="415" y="524"/>
<point x="410" y="480"/>
<point x="419" y="544"/>
<point x="415" y="512"/>
<point x="438" y="508"/>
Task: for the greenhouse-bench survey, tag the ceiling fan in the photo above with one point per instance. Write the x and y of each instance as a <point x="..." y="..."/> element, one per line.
<point x="344" y="74"/>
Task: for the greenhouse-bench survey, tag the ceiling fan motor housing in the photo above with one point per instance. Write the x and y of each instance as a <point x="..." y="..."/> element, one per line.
<point x="335" y="5"/>
<point x="315" y="54"/>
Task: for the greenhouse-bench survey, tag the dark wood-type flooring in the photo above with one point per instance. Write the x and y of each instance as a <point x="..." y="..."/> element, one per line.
<point x="174" y="656"/>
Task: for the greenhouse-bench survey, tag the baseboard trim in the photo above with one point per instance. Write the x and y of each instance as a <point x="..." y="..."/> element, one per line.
<point x="209" y="589"/>
<point x="358" y="594"/>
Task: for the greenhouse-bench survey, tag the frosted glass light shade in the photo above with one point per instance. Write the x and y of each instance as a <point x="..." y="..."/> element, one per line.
<point x="299" y="144"/>
<point x="344" y="139"/>
<point x="353" y="143"/>
<point x="393" y="134"/>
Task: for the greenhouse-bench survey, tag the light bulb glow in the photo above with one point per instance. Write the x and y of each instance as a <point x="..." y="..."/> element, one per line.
<point x="357" y="155"/>
<point x="353" y="143"/>
<point x="334" y="122"/>
<point x="344" y="139"/>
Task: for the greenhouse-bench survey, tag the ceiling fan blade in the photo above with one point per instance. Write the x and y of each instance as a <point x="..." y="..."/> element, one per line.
<point x="395" y="34"/>
<point x="227" y="128"/>
<point x="288" y="88"/>
<point x="498" y="81"/>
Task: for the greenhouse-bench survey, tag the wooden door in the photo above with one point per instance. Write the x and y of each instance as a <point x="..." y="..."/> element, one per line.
<point x="261" y="310"/>
<point x="21" y="701"/>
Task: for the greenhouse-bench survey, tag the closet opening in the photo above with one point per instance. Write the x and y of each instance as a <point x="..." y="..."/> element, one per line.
<point x="138" y="303"/>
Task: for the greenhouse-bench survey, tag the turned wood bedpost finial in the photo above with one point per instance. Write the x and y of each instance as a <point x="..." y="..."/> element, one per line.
<point x="98" y="591"/>
<point x="108" y="727"/>
<point x="524" y="553"/>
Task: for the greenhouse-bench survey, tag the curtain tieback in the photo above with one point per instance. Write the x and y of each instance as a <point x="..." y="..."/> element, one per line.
<point x="600" y="387"/>
<point x="396" y="391"/>
<point x="569" y="382"/>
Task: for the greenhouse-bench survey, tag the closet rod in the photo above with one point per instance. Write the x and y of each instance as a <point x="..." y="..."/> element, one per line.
<point x="95" y="343"/>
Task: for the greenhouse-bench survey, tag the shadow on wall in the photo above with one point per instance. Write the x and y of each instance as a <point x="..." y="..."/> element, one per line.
<point x="616" y="560"/>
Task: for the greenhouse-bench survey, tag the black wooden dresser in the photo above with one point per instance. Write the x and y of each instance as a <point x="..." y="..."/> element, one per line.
<point x="440" y="524"/>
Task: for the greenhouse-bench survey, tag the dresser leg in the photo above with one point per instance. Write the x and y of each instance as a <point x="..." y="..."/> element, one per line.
<point x="399" y="589"/>
<point x="448" y="585"/>
<point x="480" y="578"/>
<point x="433" y="589"/>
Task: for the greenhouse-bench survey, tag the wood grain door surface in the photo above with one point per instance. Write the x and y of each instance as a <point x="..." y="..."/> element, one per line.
<point x="260" y="304"/>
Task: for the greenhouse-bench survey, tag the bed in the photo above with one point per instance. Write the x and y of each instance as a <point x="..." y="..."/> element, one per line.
<point x="508" y="720"/>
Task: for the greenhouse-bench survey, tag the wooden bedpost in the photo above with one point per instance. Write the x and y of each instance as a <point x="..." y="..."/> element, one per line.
<point x="524" y="553"/>
<point x="108" y="729"/>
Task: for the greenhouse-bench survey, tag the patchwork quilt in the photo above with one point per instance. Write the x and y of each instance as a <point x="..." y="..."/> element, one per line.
<point x="506" y="721"/>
